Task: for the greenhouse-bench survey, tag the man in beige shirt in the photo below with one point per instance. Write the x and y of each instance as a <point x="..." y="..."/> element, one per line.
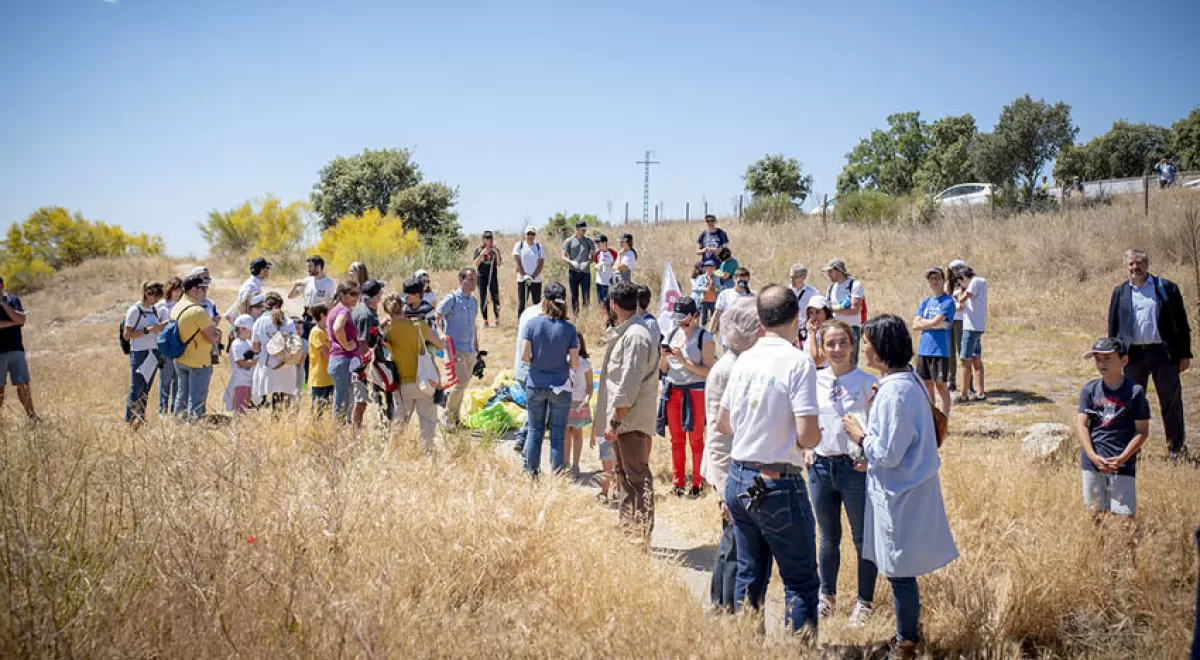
<point x="627" y="405"/>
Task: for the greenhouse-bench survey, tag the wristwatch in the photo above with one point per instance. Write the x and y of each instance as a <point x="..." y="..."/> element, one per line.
<point x="146" y="330"/>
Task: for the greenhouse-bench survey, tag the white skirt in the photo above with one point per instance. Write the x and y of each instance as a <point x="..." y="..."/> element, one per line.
<point x="273" y="381"/>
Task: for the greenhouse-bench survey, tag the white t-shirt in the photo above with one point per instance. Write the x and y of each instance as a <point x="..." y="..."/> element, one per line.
<point x="837" y="397"/>
<point x="771" y="385"/>
<point x="629" y="258"/>
<point x="239" y="377"/>
<point x="138" y="318"/>
<point x="581" y="381"/>
<point x="264" y="329"/>
<point x="605" y="259"/>
<point x="726" y="297"/>
<point x="852" y="290"/>
<point x="975" y="309"/>
<point x="319" y="290"/>
<point x="529" y="256"/>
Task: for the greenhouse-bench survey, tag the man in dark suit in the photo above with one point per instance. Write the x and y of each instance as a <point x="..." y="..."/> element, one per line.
<point x="1147" y="313"/>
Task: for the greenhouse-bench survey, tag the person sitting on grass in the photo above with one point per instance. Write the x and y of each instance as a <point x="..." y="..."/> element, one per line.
<point x="1113" y="422"/>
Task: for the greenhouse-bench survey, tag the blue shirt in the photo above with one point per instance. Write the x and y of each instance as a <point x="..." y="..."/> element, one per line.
<point x="936" y="343"/>
<point x="1145" y="313"/>
<point x="459" y="310"/>
<point x="713" y="240"/>
<point x="552" y="343"/>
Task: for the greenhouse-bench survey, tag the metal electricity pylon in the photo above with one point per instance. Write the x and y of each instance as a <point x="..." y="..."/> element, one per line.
<point x="646" y="187"/>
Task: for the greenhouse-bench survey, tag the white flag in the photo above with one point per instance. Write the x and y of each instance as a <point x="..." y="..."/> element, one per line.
<point x="666" y="301"/>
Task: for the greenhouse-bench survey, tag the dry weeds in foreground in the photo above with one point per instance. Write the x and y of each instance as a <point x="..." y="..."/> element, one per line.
<point x="119" y="545"/>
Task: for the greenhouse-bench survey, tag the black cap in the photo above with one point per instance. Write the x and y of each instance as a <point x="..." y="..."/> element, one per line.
<point x="581" y="225"/>
<point x="371" y="288"/>
<point x="556" y="293"/>
<point x="685" y="306"/>
<point x="258" y="265"/>
<point x="602" y="238"/>
<point x="628" y="238"/>
<point x="413" y="286"/>
<point x="1106" y="345"/>
<point x="487" y="234"/>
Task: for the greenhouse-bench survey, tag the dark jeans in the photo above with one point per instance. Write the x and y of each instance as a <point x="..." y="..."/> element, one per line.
<point x="1151" y="361"/>
<point x="322" y="399"/>
<point x="534" y="289"/>
<point x="906" y="600"/>
<point x="956" y="330"/>
<point x="168" y="388"/>
<point x="724" y="575"/>
<point x="489" y="283"/>
<point x="546" y="406"/>
<point x="601" y="293"/>
<point x="581" y="287"/>
<point x="139" y="388"/>
<point x="782" y="528"/>
<point x="834" y="482"/>
<point x="706" y="312"/>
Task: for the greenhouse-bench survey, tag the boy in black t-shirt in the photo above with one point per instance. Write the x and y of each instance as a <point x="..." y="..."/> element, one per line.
<point x="1114" y="420"/>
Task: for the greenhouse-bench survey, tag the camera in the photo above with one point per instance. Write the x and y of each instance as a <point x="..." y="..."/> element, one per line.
<point x="480" y="365"/>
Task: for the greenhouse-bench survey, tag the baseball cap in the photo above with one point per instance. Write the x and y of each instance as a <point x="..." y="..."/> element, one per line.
<point x="372" y="288"/>
<point x="258" y="300"/>
<point x="487" y="234"/>
<point x="197" y="271"/>
<point x="957" y="263"/>
<point x="556" y="293"/>
<point x="530" y="230"/>
<point x="933" y="271"/>
<point x="581" y="225"/>
<point x="817" y="302"/>
<point x="244" y="321"/>
<point x="685" y="306"/>
<point x="413" y="287"/>
<point x="710" y="261"/>
<point x="1106" y="345"/>
<point x="258" y="265"/>
<point x="836" y="264"/>
<point x="798" y="270"/>
<point x="628" y="238"/>
<point x="421" y="273"/>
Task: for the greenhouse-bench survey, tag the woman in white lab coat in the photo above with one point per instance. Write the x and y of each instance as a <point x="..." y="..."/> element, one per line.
<point x="906" y="531"/>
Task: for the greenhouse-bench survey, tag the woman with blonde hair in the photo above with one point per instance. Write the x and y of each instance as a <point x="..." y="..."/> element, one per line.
<point x="273" y="375"/>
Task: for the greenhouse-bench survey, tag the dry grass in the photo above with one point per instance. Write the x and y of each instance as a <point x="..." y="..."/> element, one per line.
<point x="137" y="545"/>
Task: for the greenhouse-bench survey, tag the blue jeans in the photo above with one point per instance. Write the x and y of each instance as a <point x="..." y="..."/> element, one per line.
<point x="781" y="529"/>
<point x="139" y="388"/>
<point x="168" y="388"/>
<point x="906" y="599"/>
<point x="724" y="577"/>
<point x="543" y="403"/>
<point x="706" y="312"/>
<point x="193" y="389"/>
<point x="339" y="371"/>
<point x="602" y="293"/>
<point x="834" y="482"/>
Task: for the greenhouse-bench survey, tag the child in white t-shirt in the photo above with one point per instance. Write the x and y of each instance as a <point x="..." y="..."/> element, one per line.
<point x="581" y="412"/>
<point x="237" y="394"/>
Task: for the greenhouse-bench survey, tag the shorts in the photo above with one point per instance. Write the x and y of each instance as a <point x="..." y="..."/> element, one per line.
<point x="936" y="369"/>
<point x="13" y="368"/>
<point x="579" y="416"/>
<point x="972" y="344"/>
<point x="362" y="391"/>
<point x="607" y="452"/>
<point x="1115" y="493"/>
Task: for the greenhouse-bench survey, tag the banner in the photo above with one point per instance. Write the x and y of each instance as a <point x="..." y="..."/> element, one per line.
<point x="666" y="301"/>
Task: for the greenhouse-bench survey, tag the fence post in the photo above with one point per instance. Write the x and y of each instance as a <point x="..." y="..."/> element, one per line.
<point x="824" y="209"/>
<point x="741" y="205"/>
<point x="687" y="211"/>
<point x="706" y="208"/>
<point x="626" y="212"/>
<point x="656" y="212"/>
<point x="1145" y="194"/>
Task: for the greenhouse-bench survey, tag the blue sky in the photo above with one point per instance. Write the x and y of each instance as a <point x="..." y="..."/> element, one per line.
<point x="150" y="113"/>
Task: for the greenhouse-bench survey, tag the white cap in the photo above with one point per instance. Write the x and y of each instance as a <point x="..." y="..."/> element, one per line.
<point x="818" y="302"/>
<point x="421" y="273"/>
<point x="244" y="321"/>
<point x="528" y="229"/>
<point x="197" y="271"/>
<point x="258" y="299"/>
<point x="957" y="263"/>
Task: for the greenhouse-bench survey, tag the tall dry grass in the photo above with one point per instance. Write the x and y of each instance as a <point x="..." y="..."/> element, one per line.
<point x="289" y="538"/>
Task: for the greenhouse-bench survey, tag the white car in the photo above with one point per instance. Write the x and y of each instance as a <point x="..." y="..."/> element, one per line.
<point x="816" y="210"/>
<point x="966" y="194"/>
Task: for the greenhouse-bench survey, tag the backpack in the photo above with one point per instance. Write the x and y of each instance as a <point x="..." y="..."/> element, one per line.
<point x="125" y="347"/>
<point x="699" y="341"/>
<point x="850" y="288"/>
<point x="170" y="345"/>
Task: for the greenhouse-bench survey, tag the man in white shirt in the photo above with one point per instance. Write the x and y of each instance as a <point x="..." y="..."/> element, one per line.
<point x="974" y="299"/>
<point x="770" y="408"/>
<point x="798" y="274"/>
<point x="848" y="299"/>
<point x="317" y="287"/>
<point x="530" y="258"/>
<point x="260" y="270"/>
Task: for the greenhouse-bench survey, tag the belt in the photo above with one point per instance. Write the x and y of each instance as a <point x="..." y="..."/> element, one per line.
<point x="781" y="468"/>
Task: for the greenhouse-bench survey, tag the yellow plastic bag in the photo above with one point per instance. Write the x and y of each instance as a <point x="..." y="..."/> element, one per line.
<point x="518" y="413"/>
<point x="475" y="400"/>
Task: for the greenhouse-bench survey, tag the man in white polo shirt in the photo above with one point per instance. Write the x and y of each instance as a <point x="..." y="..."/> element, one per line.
<point x="770" y="409"/>
<point x="530" y="258"/>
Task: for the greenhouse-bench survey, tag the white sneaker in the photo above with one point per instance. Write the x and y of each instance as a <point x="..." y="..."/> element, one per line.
<point x="862" y="612"/>
<point x="825" y="606"/>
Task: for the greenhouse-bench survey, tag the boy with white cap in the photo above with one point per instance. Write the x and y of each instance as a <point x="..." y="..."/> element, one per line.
<point x="241" y="360"/>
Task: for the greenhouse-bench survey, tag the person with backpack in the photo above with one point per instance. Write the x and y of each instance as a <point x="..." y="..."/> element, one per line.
<point x="189" y="339"/>
<point x="687" y="354"/>
<point x="168" y="388"/>
<point x="139" y="340"/>
<point x="275" y="374"/>
<point x="848" y="300"/>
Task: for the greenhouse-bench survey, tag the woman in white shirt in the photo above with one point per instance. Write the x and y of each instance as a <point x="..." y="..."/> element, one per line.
<point x="906" y="531"/>
<point x="140" y="328"/>
<point x="580" y="415"/>
<point x="627" y="258"/>
<point x="837" y="476"/>
<point x="271" y="375"/>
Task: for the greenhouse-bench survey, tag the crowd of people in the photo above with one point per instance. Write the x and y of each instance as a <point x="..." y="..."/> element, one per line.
<point x="762" y="387"/>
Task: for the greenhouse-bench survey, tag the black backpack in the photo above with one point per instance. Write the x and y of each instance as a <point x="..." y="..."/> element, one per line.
<point x="125" y="348"/>
<point x="699" y="341"/>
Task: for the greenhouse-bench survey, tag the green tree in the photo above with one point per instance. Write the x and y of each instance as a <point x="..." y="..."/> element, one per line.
<point x="774" y="175"/>
<point x="389" y="181"/>
<point x="1125" y="150"/>
<point x="1027" y="137"/>
<point x="561" y="225"/>
<point x="887" y="160"/>
<point x="948" y="160"/>
<point x="269" y="227"/>
<point x="868" y="207"/>
<point x="1185" y="140"/>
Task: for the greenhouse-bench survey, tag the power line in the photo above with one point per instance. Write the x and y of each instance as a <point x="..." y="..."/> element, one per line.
<point x="646" y="187"/>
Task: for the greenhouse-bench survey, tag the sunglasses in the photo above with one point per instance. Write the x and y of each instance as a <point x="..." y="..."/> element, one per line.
<point x="354" y="293"/>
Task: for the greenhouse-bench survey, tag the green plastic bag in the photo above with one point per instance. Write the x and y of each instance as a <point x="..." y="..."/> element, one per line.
<point x="494" y="420"/>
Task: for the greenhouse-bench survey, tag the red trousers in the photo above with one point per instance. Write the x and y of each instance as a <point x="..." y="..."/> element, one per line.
<point x="680" y="439"/>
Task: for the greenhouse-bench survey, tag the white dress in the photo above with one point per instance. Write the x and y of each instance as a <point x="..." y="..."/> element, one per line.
<point x="268" y="379"/>
<point x="906" y="532"/>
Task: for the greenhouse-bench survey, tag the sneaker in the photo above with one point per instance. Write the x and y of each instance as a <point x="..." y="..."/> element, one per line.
<point x="901" y="649"/>
<point x="862" y="612"/>
<point x="678" y="492"/>
<point x="825" y="606"/>
<point x="519" y="446"/>
<point x="696" y="492"/>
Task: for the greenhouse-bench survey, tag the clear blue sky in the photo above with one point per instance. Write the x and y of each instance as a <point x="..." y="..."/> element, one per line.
<point x="149" y="113"/>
